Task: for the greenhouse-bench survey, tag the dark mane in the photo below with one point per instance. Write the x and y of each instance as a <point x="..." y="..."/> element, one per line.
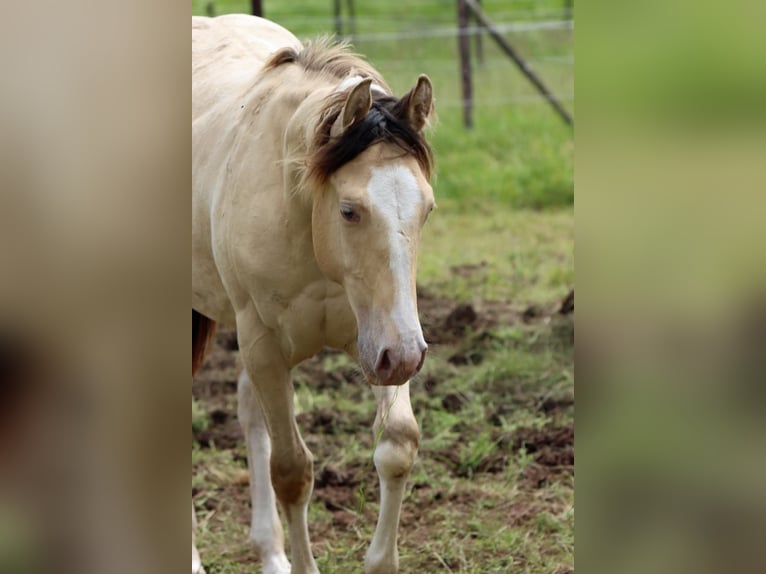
<point x="384" y="122"/>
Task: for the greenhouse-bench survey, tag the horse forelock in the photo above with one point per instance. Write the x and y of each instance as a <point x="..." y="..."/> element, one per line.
<point x="384" y="123"/>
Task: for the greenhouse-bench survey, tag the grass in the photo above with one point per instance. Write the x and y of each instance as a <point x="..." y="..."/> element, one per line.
<point x="529" y="259"/>
<point x="457" y="517"/>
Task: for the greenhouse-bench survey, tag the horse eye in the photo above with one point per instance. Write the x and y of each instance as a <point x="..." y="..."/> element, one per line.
<point x="349" y="214"/>
<point x="430" y="209"/>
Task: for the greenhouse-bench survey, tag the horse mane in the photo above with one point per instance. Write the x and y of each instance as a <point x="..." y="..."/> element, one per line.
<point x="384" y="122"/>
<point x="327" y="57"/>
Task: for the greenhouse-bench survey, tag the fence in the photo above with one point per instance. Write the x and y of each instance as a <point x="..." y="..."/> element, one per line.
<point x="536" y="34"/>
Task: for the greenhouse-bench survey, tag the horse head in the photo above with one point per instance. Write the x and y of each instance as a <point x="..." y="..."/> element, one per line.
<point x="368" y="218"/>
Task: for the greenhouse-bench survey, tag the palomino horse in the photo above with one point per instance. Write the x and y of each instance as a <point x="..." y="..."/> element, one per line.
<point x="310" y="185"/>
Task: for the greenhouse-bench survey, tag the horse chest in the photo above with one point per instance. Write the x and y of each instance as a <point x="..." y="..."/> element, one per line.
<point x="319" y="316"/>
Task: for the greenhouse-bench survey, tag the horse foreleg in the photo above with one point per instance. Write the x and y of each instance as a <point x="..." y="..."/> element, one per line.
<point x="397" y="435"/>
<point x="291" y="464"/>
<point x="266" y="533"/>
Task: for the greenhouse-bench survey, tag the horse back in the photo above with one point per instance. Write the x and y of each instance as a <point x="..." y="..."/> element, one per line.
<point x="227" y="54"/>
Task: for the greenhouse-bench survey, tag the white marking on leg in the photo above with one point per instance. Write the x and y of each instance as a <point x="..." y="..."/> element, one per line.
<point x="394" y="456"/>
<point x="290" y="464"/>
<point x="266" y="533"/>
<point x="196" y="561"/>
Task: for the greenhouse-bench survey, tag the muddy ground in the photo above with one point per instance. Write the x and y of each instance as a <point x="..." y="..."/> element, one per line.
<point x="463" y="336"/>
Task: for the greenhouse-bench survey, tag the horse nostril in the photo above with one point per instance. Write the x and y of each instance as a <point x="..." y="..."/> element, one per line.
<point x="384" y="364"/>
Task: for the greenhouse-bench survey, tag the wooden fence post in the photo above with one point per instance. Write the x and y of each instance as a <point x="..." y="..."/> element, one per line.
<point x="506" y="47"/>
<point x="478" y="40"/>
<point x="465" y="62"/>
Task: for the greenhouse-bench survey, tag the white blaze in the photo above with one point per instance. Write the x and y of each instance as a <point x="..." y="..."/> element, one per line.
<point x="394" y="193"/>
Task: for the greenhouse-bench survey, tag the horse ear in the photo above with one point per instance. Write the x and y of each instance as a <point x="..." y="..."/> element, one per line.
<point x="358" y="103"/>
<point x="419" y="103"/>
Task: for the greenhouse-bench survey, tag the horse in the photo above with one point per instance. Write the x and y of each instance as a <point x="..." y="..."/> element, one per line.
<point x="310" y="185"/>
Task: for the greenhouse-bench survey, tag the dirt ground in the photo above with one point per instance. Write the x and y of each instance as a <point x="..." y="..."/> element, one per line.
<point x="463" y="335"/>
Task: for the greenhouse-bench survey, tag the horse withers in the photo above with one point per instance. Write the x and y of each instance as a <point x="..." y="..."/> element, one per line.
<point x="310" y="189"/>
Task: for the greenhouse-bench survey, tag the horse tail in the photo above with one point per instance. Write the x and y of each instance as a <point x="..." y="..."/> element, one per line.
<point x="203" y="329"/>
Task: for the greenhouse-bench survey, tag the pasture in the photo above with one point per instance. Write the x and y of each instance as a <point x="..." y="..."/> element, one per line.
<point x="492" y="490"/>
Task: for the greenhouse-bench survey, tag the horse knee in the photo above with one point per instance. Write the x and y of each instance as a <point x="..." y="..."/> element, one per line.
<point x="292" y="476"/>
<point x="398" y="447"/>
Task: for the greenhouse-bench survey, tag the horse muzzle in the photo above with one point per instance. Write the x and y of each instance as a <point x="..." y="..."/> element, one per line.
<point x="397" y="364"/>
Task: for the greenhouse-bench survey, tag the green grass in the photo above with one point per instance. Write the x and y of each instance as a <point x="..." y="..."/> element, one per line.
<point x="519" y="152"/>
<point x="199" y="417"/>
<point x="519" y="256"/>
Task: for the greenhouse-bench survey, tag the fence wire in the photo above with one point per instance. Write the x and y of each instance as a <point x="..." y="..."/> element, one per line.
<point x="522" y="22"/>
<point x="508" y="27"/>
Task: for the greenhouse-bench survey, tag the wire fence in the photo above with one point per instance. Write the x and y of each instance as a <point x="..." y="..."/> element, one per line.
<point x="446" y="18"/>
<point x="514" y="27"/>
<point x="426" y="39"/>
